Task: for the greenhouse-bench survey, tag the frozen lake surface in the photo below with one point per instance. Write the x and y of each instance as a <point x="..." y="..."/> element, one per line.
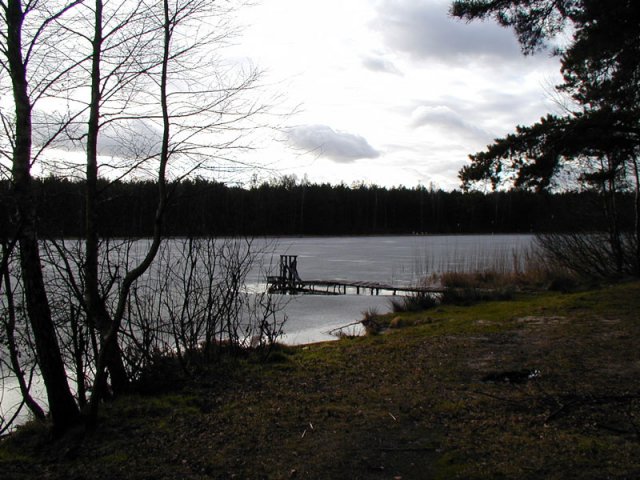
<point x="396" y="260"/>
<point x="401" y="260"/>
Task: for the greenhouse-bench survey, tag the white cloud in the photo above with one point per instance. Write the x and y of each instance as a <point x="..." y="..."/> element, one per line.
<point x="424" y="30"/>
<point x="341" y="147"/>
<point x="415" y="89"/>
<point x="447" y="119"/>
<point x="380" y="64"/>
<point x="137" y="137"/>
<point x="125" y="139"/>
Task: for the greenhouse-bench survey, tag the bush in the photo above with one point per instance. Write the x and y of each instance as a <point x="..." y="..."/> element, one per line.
<point x="469" y="296"/>
<point x="371" y="322"/>
<point x="563" y="284"/>
<point x="415" y="302"/>
<point x="163" y="374"/>
<point x="590" y="256"/>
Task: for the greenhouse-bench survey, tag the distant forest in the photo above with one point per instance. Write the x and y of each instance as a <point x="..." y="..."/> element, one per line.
<point x="288" y="207"/>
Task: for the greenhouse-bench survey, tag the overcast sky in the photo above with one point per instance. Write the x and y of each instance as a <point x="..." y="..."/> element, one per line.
<point x="391" y="92"/>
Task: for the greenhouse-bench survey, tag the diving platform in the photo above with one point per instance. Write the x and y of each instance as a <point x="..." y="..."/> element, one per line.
<point x="289" y="282"/>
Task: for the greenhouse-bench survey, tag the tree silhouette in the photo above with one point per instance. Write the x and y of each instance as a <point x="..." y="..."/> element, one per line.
<point x="597" y="141"/>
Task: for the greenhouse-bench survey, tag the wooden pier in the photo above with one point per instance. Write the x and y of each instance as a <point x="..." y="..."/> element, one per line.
<point x="289" y="282"/>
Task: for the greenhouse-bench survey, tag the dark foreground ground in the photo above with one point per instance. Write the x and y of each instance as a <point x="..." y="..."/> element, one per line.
<point x="545" y="386"/>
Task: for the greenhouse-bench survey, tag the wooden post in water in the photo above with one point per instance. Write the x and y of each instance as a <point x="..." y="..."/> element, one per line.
<point x="289" y="279"/>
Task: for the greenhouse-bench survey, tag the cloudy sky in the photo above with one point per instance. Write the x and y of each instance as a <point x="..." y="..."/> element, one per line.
<point x="391" y="92"/>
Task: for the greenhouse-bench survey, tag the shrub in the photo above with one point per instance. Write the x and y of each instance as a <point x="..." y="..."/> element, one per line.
<point x="469" y="296"/>
<point x="590" y="256"/>
<point x="371" y="322"/>
<point x="415" y="302"/>
<point x="162" y="374"/>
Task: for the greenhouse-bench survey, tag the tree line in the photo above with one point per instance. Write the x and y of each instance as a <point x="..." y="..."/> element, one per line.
<point x="290" y="207"/>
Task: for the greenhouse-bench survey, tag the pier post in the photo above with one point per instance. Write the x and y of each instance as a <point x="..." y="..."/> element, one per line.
<point x="289" y="279"/>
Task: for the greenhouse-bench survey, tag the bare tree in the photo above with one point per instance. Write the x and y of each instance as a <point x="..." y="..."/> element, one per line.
<point x="19" y="54"/>
<point x="19" y="364"/>
<point x="143" y="63"/>
<point x="197" y="302"/>
<point x="118" y="41"/>
<point x="187" y="111"/>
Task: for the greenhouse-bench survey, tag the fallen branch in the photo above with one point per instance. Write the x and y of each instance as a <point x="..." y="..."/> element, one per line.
<point x="496" y="397"/>
<point x="352" y="324"/>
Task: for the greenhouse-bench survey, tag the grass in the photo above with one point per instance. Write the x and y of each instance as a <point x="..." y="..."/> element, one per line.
<point x="409" y="402"/>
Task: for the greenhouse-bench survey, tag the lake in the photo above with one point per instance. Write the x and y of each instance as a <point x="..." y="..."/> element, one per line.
<point x="395" y="260"/>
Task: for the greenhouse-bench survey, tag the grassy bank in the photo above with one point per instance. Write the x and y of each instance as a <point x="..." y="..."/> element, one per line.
<point x="542" y="386"/>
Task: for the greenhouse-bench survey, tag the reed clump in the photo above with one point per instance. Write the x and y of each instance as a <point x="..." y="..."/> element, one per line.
<point x="527" y="270"/>
<point x="498" y="279"/>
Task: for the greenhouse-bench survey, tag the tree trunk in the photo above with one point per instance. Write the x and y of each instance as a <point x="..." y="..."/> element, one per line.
<point x="62" y="406"/>
<point x="609" y="190"/>
<point x="14" y="354"/>
<point x="636" y="204"/>
<point x="110" y="340"/>
<point x="97" y="314"/>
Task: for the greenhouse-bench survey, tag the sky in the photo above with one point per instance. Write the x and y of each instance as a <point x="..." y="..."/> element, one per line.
<point x="386" y="92"/>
